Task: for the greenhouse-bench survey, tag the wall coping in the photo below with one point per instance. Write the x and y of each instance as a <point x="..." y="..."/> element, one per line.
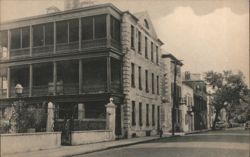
<point x="88" y="131"/>
<point x="27" y="134"/>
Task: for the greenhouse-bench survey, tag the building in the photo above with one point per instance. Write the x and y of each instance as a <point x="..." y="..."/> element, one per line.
<point x="79" y="58"/>
<point x="200" y="99"/>
<point x="171" y="68"/>
<point x="187" y="119"/>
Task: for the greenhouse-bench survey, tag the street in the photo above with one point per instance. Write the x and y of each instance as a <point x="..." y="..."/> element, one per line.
<point x="223" y="143"/>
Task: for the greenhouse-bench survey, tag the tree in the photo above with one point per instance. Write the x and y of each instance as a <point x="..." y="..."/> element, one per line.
<point x="229" y="91"/>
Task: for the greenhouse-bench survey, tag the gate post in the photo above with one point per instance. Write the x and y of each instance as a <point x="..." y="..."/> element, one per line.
<point x="110" y="116"/>
<point x="50" y="117"/>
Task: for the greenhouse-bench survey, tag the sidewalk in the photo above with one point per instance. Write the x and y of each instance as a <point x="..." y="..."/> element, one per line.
<point x="66" y="151"/>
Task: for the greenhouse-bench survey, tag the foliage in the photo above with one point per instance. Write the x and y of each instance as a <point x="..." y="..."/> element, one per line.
<point x="21" y="119"/>
<point x="229" y="91"/>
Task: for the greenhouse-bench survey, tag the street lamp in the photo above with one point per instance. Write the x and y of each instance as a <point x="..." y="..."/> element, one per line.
<point x="19" y="90"/>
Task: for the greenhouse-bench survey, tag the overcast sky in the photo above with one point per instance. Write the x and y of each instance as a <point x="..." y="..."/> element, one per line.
<point x="205" y="34"/>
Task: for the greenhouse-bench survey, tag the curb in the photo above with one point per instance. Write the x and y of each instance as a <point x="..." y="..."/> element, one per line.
<point x="110" y="147"/>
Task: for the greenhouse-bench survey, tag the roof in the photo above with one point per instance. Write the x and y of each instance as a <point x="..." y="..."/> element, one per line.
<point x="65" y="12"/>
<point x="169" y="55"/>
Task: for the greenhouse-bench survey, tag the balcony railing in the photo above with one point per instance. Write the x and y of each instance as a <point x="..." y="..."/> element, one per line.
<point x="93" y="88"/>
<point x="67" y="89"/>
<point x="24" y="94"/>
<point x="3" y="93"/>
<point x="42" y="90"/>
<point x="115" y="44"/>
<point x="115" y="87"/>
<point x="15" y="53"/>
<point x="41" y="50"/>
<point x="96" y="43"/>
<point x="67" y="46"/>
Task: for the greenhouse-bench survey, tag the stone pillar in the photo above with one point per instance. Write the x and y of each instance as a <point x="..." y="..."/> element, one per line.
<point x="81" y="111"/>
<point x="110" y="116"/>
<point x="50" y="117"/>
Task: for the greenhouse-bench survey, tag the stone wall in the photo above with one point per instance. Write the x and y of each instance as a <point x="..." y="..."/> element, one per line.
<point x="24" y="142"/>
<point x="93" y="136"/>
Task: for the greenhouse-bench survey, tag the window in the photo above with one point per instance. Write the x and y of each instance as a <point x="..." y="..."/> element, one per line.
<point x="4" y="39"/>
<point x="61" y="32"/>
<point x="153" y="84"/>
<point x="158" y="116"/>
<point x="115" y="29"/>
<point x="139" y="78"/>
<point x="157" y="85"/>
<point x="4" y="43"/>
<point x="132" y="37"/>
<point x="73" y="30"/>
<point x="139" y="42"/>
<point x="25" y="37"/>
<point x="146" y="80"/>
<point x="87" y="28"/>
<point x="49" y="33"/>
<point x="16" y="38"/>
<point x="147" y="115"/>
<point x="152" y="52"/>
<point x="133" y="114"/>
<point x="100" y="26"/>
<point x="140" y="114"/>
<point x="146" y="47"/>
<point x="146" y="24"/>
<point x="157" y="55"/>
<point x="132" y="74"/>
<point x="153" y="115"/>
<point x="38" y="37"/>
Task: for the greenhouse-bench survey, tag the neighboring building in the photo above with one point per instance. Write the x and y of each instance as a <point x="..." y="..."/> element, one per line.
<point x="200" y="100"/>
<point x="78" y="59"/>
<point x="170" y="62"/>
<point x="187" y="119"/>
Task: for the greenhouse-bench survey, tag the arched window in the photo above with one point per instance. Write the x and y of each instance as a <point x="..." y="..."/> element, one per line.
<point x="146" y="23"/>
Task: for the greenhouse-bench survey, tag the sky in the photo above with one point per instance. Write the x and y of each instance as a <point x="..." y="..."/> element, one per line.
<point x="205" y="34"/>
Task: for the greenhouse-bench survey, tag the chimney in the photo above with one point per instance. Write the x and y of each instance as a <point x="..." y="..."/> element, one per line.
<point x="52" y="9"/>
<point x="71" y="4"/>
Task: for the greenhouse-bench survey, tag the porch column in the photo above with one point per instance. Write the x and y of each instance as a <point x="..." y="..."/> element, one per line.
<point x="8" y="84"/>
<point x="81" y="111"/>
<point x="50" y="117"/>
<point x="9" y="41"/>
<point x="31" y="80"/>
<point x="54" y="77"/>
<point x="108" y="30"/>
<point x="31" y="39"/>
<point x="80" y="34"/>
<point x="80" y="76"/>
<point x="108" y="74"/>
<point x="110" y="116"/>
<point x="54" y="50"/>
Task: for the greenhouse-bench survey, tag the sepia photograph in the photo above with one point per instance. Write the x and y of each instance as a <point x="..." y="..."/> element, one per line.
<point x="118" y="78"/>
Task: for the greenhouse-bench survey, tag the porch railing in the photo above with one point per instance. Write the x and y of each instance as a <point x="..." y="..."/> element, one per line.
<point x="41" y="50"/>
<point x="94" y="88"/>
<point x="3" y="93"/>
<point x="67" y="46"/>
<point x="82" y="124"/>
<point x="24" y="94"/>
<point x="23" y="52"/>
<point x="96" y="43"/>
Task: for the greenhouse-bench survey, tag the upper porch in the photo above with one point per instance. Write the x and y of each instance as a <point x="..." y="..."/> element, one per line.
<point x="83" y="31"/>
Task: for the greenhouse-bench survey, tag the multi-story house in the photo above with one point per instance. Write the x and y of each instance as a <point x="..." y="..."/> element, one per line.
<point x="200" y="99"/>
<point x="171" y="69"/>
<point x="187" y="116"/>
<point x="78" y="59"/>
